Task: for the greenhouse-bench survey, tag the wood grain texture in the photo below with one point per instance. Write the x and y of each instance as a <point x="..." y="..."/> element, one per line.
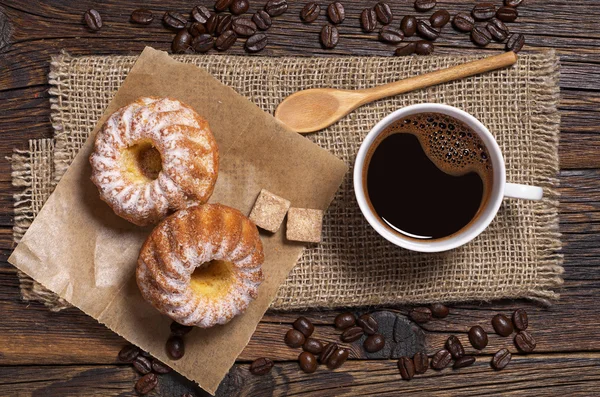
<point x="70" y="354"/>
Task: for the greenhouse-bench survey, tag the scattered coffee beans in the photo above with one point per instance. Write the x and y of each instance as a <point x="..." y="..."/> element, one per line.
<point x="478" y="337"/>
<point x="224" y="23"/>
<point x="507" y="14"/>
<point x="391" y="34"/>
<point x="93" y="20"/>
<point x="179" y="329"/>
<point x="439" y="18"/>
<point x="430" y="33"/>
<point x="142" y="364"/>
<point x="338" y="358"/>
<point x="128" y="353"/>
<point x="329" y="36"/>
<point x="336" y="12"/>
<point x="463" y="22"/>
<point x="463" y="361"/>
<point x="303" y="325"/>
<point x="308" y="362"/>
<point x="174" y="20"/>
<point x="409" y="25"/>
<point x="421" y="362"/>
<point x="352" y="334"/>
<point x="525" y="342"/>
<point x="484" y="11"/>
<point x="424" y="5"/>
<point x="203" y="43"/>
<point x="501" y="359"/>
<point x="423" y="47"/>
<point x="439" y="311"/>
<point x="261" y="366"/>
<point x="328" y="352"/>
<point x="294" y="338"/>
<point x="201" y="14"/>
<point x="455" y="347"/>
<point x="142" y="16"/>
<point x="368" y="324"/>
<point x="262" y="20"/>
<point x="211" y="23"/>
<point x="374" y="343"/>
<point x="256" y="42"/>
<point x="146" y="383"/>
<point x="244" y="27"/>
<point x="276" y="8"/>
<point x="520" y="319"/>
<point x="368" y="20"/>
<point x="159" y="367"/>
<point x="175" y="347"/>
<point x="313" y="346"/>
<point x="344" y="320"/>
<point x="497" y="29"/>
<point x="238" y="7"/>
<point x="441" y="359"/>
<point x="181" y="42"/>
<point x="502" y="325"/>
<point x="196" y="29"/>
<point x="481" y="36"/>
<point x="310" y="12"/>
<point x="406" y="367"/>
<point x="406" y="49"/>
<point x="420" y="315"/>
<point x="222" y="5"/>
<point x="384" y="13"/>
<point x="512" y="3"/>
<point x="515" y="42"/>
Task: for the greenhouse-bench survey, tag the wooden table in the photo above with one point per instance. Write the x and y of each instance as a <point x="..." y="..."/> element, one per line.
<point x="70" y="354"/>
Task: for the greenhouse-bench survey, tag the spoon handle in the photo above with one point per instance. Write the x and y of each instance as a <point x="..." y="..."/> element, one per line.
<point x="439" y="76"/>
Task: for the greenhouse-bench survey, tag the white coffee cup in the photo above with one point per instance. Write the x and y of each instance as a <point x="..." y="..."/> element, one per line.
<point x="500" y="188"/>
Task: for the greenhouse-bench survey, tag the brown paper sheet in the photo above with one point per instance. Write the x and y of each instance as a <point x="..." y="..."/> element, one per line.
<point x="78" y="248"/>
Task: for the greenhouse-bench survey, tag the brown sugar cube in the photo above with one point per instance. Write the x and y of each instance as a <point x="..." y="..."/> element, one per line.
<point x="269" y="210"/>
<point x="304" y="224"/>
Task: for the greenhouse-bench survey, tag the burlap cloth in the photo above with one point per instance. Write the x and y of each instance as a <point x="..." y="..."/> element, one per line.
<point x="516" y="257"/>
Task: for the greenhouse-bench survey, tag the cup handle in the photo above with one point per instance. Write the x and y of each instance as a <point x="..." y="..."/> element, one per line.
<point x="526" y="192"/>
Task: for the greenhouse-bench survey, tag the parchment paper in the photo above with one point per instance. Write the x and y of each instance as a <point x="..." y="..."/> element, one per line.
<point x="78" y="248"/>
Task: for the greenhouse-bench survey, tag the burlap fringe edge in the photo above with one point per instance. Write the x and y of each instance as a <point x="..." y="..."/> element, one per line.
<point x="57" y="80"/>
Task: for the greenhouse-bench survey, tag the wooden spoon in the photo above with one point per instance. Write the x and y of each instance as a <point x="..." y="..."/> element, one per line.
<point x="317" y="108"/>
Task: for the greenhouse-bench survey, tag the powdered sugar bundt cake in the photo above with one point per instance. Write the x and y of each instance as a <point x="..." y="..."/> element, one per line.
<point x="152" y="156"/>
<point x="202" y="265"/>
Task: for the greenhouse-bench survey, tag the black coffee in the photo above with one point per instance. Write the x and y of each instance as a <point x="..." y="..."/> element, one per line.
<point x="427" y="176"/>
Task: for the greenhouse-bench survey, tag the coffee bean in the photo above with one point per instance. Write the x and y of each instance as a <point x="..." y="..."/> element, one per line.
<point x="142" y="16"/>
<point x="308" y="362"/>
<point x="478" y="337"/>
<point x="181" y="42"/>
<point x="409" y="25"/>
<point x="276" y="7"/>
<point x="145" y="354"/>
<point x="261" y="366"/>
<point x="497" y="29"/>
<point x="175" y="347"/>
<point x="224" y="23"/>
<point x="313" y="346"/>
<point x="256" y="42"/>
<point x="481" y="36"/>
<point x="329" y="36"/>
<point x="143" y="365"/>
<point x="406" y="49"/>
<point x="483" y="11"/>
<point x="525" y="342"/>
<point x="310" y="12"/>
<point x="146" y="383"/>
<point x="244" y="27"/>
<point x="344" y="320"/>
<point x="501" y="359"/>
<point x="441" y="359"/>
<point x="463" y="361"/>
<point x="368" y="20"/>
<point x="463" y="22"/>
<point x="406" y="367"/>
<point x="174" y="20"/>
<point x="222" y="5"/>
<point x="502" y="325"/>
<point x="424" y="5"/>
<point x="201" y="14"/>
<point x="420" y="315"/>
<point x="512" y="3"/>
<point x="128" y="353"/>
<point x="520" y="319"/>
<point x="179" y="329"/>
<point x="336" y="13"/>
<point x="338" y="358"/>
<point x="439" y="18"/>
<point x="430" y="33"/>
<point x="262" y="20"/>
<point x="352" y="334"/>
<point x="391" y="34"/>
<point x="507" y="14"/>
<point x="384" y="13"/>
<point x="455" y="347"/>
<point x="238" y="7"/>
<point x="327" y="352"/>
<point x="423" y="47"/>
<point x="515" y="42"/>
<point x="368" y="324"/>
<point x="160" y="367"/>
<point x="294" y="338"/>
<point x="203" y="43"/>
<point x="421" y="362"/>
<point x="303" y="325"/>
<point x="211" y="23"/>
<point x="196" y="29"/>
<point x="93" y="20"/>
<point x="374" y="343"/>
<point x="439" y="311"/>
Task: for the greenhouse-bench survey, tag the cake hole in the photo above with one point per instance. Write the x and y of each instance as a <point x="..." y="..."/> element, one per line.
<point x="142" y="162"/>
<point x="213" y="279"/>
